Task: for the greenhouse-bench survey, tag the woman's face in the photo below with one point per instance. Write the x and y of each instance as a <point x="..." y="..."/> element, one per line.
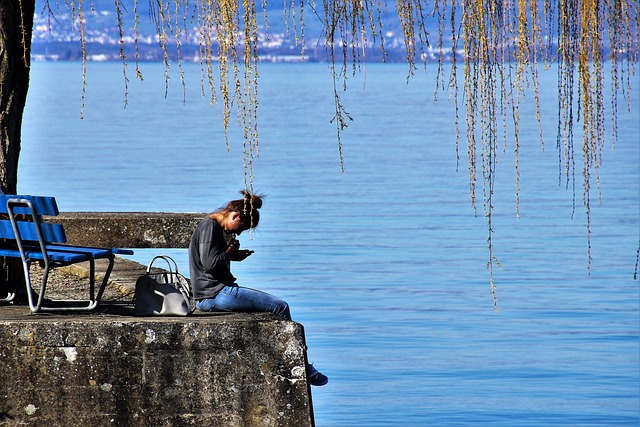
<point x="235" y="224"/>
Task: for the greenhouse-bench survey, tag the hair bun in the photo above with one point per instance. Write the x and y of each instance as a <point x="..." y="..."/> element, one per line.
<point x="254" y="200"/>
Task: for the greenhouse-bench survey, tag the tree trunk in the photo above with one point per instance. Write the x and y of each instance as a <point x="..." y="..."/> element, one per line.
<point x="16" y="28"/>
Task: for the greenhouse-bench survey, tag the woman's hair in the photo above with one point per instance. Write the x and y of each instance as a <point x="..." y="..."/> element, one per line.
<point x="247" y="207"/>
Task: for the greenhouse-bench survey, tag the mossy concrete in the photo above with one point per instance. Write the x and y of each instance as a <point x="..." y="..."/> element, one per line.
<point x="129" y="229"/>
<point x="119" y="370"/>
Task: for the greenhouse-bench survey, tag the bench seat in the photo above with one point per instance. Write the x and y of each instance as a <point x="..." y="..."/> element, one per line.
<point x="26" y="236"/>
<point x="35" y="254"/>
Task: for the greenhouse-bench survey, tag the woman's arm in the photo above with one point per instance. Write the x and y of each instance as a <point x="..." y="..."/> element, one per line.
<point x="213" y="255"/>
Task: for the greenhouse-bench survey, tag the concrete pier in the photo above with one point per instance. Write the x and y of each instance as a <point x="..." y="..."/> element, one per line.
<point x="111" y="368"/>
<point x="117" y="370"/>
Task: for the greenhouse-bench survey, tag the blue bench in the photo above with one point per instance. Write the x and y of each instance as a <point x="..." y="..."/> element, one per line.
<point x="24" y="235"/>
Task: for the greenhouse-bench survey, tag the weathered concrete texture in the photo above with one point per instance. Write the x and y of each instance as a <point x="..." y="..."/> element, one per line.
<point x="129" y="229"/>
<point x="118" y="370"/>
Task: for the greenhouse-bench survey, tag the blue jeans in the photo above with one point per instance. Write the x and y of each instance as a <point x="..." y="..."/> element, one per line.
<point x="247" y="300"/>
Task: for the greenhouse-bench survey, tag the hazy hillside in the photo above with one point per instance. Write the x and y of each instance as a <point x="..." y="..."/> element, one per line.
<point x="100" y="24"/>
<point x="56" y="35"/>
<point x="101" y="13"/>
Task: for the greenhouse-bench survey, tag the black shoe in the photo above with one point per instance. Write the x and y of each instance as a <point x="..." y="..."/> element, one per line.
<point x="314" y="377"/>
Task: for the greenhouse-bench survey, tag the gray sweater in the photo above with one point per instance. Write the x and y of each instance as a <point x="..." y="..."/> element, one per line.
<point x="209" y="264"/>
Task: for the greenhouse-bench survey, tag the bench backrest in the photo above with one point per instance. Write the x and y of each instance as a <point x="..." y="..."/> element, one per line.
<point x="32" y="227"/>
<point x="51" y="233"/>
<point x="44" y="205"/>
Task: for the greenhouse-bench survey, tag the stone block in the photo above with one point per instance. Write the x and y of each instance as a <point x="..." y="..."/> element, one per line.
<point x="129" y="229"/>
<point x="117" y="370"/>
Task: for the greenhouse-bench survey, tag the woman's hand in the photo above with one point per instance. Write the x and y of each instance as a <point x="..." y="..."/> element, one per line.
<point x="232" y="247"/>
<point x="234" y="252"/>
<point x="241" y="255"/>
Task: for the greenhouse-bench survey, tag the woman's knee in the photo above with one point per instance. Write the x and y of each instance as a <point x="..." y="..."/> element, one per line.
<point x="283" y="310"/>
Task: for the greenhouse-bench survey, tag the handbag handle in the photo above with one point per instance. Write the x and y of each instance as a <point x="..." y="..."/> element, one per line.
<point x="172" y="268"/>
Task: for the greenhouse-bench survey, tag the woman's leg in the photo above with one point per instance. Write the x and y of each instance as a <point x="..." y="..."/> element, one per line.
<point x="247" y="300"/>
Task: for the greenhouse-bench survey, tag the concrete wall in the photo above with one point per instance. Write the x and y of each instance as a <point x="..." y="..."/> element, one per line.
<point x="129" y="229"/>
<point x="109" y="370"/>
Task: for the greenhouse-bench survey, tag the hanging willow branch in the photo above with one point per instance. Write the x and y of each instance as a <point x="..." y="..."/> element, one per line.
<point x="501" y="43"/>
<point x="228" y="37"/>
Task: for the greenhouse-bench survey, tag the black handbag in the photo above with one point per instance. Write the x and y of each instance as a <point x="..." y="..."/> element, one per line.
<point x="167" y="293"/>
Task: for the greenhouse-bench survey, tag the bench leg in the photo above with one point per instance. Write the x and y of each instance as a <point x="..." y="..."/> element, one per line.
<point x="36" y="305"/>
<point x="13" y="280"/>
<point x="27" y="280"/>
<point x="90" y="304"/>
<point x="105" y="280"/>
<point x="10" y="297"/>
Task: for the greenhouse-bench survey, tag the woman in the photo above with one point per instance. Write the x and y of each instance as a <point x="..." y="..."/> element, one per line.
<point x="213" y="246"/>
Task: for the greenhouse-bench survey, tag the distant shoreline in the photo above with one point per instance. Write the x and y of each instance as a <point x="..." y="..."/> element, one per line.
<point x="100" y="52"/>
<point x="96" y="52"/>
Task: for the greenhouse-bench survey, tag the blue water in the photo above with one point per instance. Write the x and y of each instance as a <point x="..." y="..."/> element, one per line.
<point x="385" y="264"/>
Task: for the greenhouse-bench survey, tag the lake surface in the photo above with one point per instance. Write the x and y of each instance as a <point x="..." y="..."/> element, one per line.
<point x="384" y="264"/>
